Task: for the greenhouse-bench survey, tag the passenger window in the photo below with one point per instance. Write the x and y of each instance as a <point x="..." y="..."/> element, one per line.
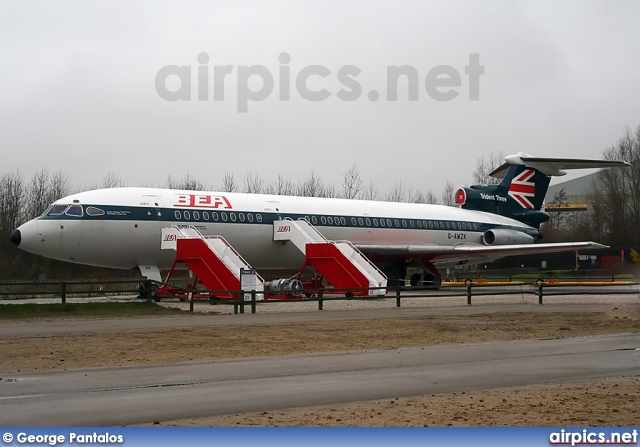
<point x="382" y="222"/>
<point x="343" y="221"/>
<point x="360" y="221"/>
<point x="250" y="217"/>
<point x="419" y="223"/>
<point x="354" y="222"/>
<point x="259" y="217"/>
<point x="177" y="214"/>
<point x="314" y="220"/>
<point x="214" y="215"/>
<point x="323" y="219"/>
<point x="404" y="223"/>
<point x="330" y="220"/>
<point x="241" y="217"/>
<point x="412" y="224"/>
<point x="205" y="215"/>
<point x="232" y="216"/>
<point x="224" y="216"/>
<point x="196" y="215"/>
<point x="368" y="221"/>
<point x="187" y="215"/>
<point x="375" y="222"/>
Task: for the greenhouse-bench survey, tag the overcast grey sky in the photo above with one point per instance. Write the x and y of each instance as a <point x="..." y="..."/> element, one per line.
<point x="78" y="87"/>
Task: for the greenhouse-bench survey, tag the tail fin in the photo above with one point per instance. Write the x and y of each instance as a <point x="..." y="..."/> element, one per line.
<point x="525" y="180"/>
<point x="519" y="196"/>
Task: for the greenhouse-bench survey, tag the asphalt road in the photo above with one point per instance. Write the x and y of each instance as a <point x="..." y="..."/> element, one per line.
<point x="142" y="394"/>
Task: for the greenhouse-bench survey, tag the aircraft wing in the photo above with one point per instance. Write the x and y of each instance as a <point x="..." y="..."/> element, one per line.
<point x="463" y="252"/>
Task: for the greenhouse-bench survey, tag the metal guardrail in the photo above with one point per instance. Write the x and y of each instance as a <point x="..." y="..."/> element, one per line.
<point x="148" y="289"/>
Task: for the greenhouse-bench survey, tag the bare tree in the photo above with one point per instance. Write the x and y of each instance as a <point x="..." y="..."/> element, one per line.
<point x="311" y="187"/>
<point x="351" y="183"/>
<point x="558" y="218"/>
<point x="59" y="186"/>
<point x="484" y="166"/>
<point x="370" y="192"/>
<point x="37" y="194"/>
<point x="12" y="195"/>
<point x="282" y="186"/>
<point x="253" y="184"/>
<point x="187" y="182"/>
<point x="112" y="180"/>
<point x="398" y="193"/>
<point x="448" y="195"/>
<point x="228" y="182"/>
<point x="615" y="194"/>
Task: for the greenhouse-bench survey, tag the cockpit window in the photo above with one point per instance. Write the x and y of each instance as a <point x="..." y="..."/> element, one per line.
<point x="57" y="210"/>
<point x="45" y="212"/>
<point x="74" y="210"/>
<point x="93" y="211"/>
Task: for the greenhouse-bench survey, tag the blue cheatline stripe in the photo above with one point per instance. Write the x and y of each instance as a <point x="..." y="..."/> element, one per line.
<point x="203" y="216"/>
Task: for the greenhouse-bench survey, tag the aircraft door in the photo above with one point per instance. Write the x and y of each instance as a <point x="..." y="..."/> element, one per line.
<point x="155" y="213"/>
<point x="274" y="206"/>
<point x="156" y="206"/>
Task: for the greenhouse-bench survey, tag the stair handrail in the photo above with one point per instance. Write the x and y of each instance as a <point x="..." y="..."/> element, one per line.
<point x="375" y="267"/>
<point x="312" y="227"/>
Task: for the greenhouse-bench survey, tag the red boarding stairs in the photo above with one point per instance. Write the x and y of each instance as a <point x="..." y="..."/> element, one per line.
<point x="212" y="260"/>
<point x="339" y="262"/>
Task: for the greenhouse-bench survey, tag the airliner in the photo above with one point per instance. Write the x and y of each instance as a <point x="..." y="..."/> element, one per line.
<point x="122" y="227"/>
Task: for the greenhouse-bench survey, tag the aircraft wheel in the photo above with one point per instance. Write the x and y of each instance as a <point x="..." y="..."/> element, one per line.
<point x="212" y="300"/>
<point x="349" y="294"/>
<point x="437" y="282"/>
<point x="415" y="279"/>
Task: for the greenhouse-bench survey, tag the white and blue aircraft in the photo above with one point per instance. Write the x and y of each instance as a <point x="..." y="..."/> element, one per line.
<point x="122" y="227"/>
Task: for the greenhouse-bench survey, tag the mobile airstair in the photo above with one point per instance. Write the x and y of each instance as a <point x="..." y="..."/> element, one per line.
<point x="339" y="262"/>
<point x="212" y="259"/>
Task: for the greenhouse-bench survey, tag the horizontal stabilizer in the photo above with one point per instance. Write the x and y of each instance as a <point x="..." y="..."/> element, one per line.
<point x="553" y="166"/>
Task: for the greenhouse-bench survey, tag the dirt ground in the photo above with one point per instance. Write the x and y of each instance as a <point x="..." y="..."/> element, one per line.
<point x="605" y="402"/>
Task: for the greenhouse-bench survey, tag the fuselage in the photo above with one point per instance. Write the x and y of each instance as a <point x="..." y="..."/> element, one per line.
<point x="122" y="227"/>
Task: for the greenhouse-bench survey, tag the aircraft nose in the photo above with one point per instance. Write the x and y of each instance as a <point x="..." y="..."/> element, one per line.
<point x="16" y="238"/>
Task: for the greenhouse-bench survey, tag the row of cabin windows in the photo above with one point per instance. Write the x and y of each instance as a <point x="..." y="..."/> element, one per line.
<point x="331" y="220"/>
<point x="395" y="223"/>
<point x="218" y="216"/>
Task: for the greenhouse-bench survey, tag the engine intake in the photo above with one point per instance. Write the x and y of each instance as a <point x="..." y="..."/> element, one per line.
<point x="291" y="286"/>
<point x="506" y="237"/>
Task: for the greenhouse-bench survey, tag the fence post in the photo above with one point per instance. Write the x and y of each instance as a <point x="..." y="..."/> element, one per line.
<point x="235" y="303"/>
<point x="241" y="295"/>
<point x="398" y="297"/>
<point x="469" y="293"/>
<point x="540" y="292"/>
<point x="320" y="294"/>
<point x="63" y="292"/>
<point x="253" y="301"/>
<point x="191" y="302"/>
